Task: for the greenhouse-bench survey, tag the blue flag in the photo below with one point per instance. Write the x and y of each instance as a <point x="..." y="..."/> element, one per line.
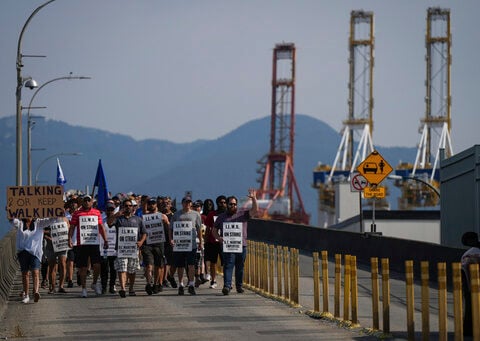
<point x="60" y="177"/>
<point x="101" y="184"/>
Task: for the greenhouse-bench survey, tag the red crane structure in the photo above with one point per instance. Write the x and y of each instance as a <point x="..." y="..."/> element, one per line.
<point x="279" y="194"/>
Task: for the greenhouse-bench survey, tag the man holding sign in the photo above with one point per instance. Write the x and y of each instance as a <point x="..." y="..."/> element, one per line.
<point x="86" y="224"/>
<point x="185" y="229"/>
<point x="156" y="223"/>
<point x="230" y="228"/>
<point x="131" y="234"/>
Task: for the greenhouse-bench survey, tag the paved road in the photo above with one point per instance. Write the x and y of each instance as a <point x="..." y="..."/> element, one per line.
<point x="166" y="316"/>
<point x="209" y="314"/>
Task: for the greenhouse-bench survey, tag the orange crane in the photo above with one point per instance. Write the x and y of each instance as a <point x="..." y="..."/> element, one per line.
<point x="279" y="195"/>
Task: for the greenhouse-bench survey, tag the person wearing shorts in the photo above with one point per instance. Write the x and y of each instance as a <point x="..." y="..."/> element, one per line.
<point x="128" y="266"/>
<point x="29" y="252"/>
<point x="187" y="257"/>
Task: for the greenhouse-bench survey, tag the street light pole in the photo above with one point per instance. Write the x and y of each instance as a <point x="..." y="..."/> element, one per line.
<point x="18" y="94"/>
<point x="29" y="121"/>
<point x="49" y="158"/>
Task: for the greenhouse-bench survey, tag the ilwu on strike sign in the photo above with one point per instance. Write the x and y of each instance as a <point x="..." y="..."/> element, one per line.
<point x="88" y="230"/>
<point x="59" y="233"/>
<point x="127" y="242"/>
<point x="182" y="236"/>
<point x="154" y="226"/>
<point x="232" y="237"/>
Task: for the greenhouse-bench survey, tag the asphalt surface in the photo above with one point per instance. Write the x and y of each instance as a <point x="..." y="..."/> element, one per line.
<point x="209" y="314"/>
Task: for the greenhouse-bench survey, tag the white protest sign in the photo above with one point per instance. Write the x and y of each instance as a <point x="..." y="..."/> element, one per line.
<point x="232" y="237"/>
<point x="127" y="242"/>
<point x="88" y="230"/>
<point x="182" y="236"/>
<point x="154" y="226"/>
<point x="59" y="233"/>
<point x="111" y="233"/>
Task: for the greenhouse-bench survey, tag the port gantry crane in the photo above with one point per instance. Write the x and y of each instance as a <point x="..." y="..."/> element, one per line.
<point x="435" y="127"/>
<point x="279" y="195"/>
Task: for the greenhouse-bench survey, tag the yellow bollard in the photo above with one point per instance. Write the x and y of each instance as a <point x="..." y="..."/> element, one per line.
<point x="297" y="277"/>
<point x="375" y="292"/>
<point x="410" y="299"/>
<point x="346" y="288"/>
<point x="286" y="273"/>
<point x="386" y="294"/>
<point x="338" y="267"/>
<point x="442" y="301"/>
<point x="271" y="257"/>
<point x="457" y="301"/>
<point x="325" y="280"/>
<point x="264" y="269"/>
<point x="425" y="301"/>
<point x="292" y="275"/>
<point x="279" y="270"/>
<point x="316" y="284"/>
<point x="354" y="289"/>
<point x="475" y="289"/>
<point x="257" y="264"/>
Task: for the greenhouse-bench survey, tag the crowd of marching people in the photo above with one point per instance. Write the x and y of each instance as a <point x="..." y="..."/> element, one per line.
<point x="106" y="244"/>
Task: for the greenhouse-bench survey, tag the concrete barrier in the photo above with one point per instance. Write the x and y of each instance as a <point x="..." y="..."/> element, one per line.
<point x="362" y="245"/>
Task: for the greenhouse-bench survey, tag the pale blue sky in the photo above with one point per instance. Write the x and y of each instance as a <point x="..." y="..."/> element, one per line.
<point x="187" y="70"/>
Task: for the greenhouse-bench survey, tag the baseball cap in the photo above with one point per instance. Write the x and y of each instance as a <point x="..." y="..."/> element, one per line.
<point x="86" y="196"/>
<point x="198" y="203"/>
<point x="110" y="205"/>
<point x="151" y="201"/>
<point x="186" y="199"/>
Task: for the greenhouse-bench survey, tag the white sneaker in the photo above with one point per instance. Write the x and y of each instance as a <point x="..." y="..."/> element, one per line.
<point x="208" y="277"/>
<point x="98" y="288"/>
<point x="25" y="299"/>
<point x="213" y="285"/>
<point x="84" y="292"/>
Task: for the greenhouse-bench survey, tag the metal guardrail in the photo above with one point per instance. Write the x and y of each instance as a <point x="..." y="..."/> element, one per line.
<point x="8" y="265"/>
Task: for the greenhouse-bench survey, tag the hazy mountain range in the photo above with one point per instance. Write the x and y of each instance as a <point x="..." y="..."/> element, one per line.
<point x="226" y="165"/>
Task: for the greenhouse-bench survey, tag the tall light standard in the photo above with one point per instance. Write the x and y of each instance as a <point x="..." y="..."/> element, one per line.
<point x="18" y="93"/>
<point x="29" y="131"/>
<point x="49" y="158"/>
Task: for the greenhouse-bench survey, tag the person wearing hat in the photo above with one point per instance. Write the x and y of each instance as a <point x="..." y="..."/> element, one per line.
<point x="153" y="249"/>
<point x="235" y="259"/>
<point x="189" y="221"/>
<point x="108" y="262"/>
<point x="87" y="223"/>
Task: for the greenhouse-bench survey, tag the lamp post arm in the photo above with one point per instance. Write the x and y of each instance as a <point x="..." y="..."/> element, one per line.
<point x="49" y="158"/>
<point x="425" y="183"/>
<point x="399" y="177"/>
<point x="29" y="122"/>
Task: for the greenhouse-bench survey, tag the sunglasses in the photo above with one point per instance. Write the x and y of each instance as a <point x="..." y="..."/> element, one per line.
<point x="127" y="205"/>
<point x="87" y="199"/>
<point x="232" y="204"/>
